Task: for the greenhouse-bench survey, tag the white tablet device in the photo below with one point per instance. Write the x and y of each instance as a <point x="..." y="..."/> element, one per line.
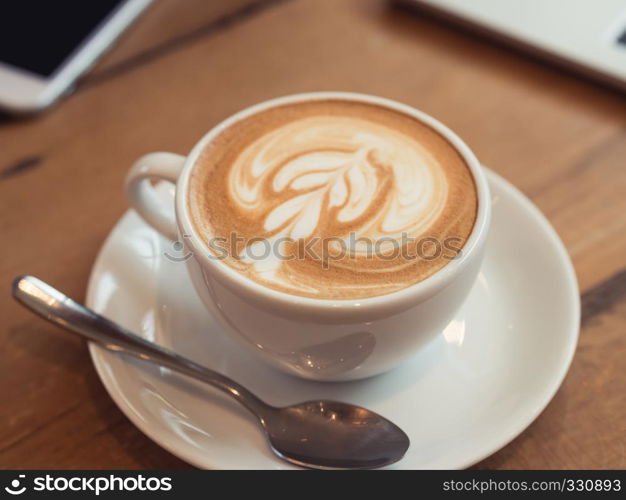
<point x="584" y="35"/>
<point x="45" y="45"/>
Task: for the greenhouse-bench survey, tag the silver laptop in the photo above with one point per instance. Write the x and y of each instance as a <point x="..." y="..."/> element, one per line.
<point x="585" y="35"/>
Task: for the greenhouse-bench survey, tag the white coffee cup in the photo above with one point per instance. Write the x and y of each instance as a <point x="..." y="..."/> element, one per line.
<point x="320" y="339"/>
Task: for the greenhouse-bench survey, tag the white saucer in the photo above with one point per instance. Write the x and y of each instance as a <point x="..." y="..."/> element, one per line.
<point x="467" y="394"/>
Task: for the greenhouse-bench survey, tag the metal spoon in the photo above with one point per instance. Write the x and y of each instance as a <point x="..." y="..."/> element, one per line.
<point x="317" y="434"/>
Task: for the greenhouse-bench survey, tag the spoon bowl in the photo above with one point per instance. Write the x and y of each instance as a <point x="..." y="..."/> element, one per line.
<point x="334" y="435"/>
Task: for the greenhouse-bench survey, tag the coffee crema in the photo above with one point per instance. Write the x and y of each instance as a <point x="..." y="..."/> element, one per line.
<point x="332" y="199"/>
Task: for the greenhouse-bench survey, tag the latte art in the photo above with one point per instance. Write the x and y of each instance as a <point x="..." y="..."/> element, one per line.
<point x="339" y="179"/>
<point x="332" y="170"/>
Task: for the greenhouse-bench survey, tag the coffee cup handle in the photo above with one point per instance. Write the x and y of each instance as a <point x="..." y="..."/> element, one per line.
<point x="141" y="193"/>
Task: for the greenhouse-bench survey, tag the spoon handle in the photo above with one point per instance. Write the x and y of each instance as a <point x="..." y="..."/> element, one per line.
<point x="61" y="310"/>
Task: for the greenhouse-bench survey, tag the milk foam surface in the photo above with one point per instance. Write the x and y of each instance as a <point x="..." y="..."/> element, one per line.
<point x="362" y="186"/>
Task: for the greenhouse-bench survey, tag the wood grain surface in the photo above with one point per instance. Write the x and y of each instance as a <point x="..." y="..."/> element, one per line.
<point x="183" y="67"/>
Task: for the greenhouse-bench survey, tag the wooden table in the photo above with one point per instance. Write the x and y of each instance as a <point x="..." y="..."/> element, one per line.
<point x="185" y="66"/>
